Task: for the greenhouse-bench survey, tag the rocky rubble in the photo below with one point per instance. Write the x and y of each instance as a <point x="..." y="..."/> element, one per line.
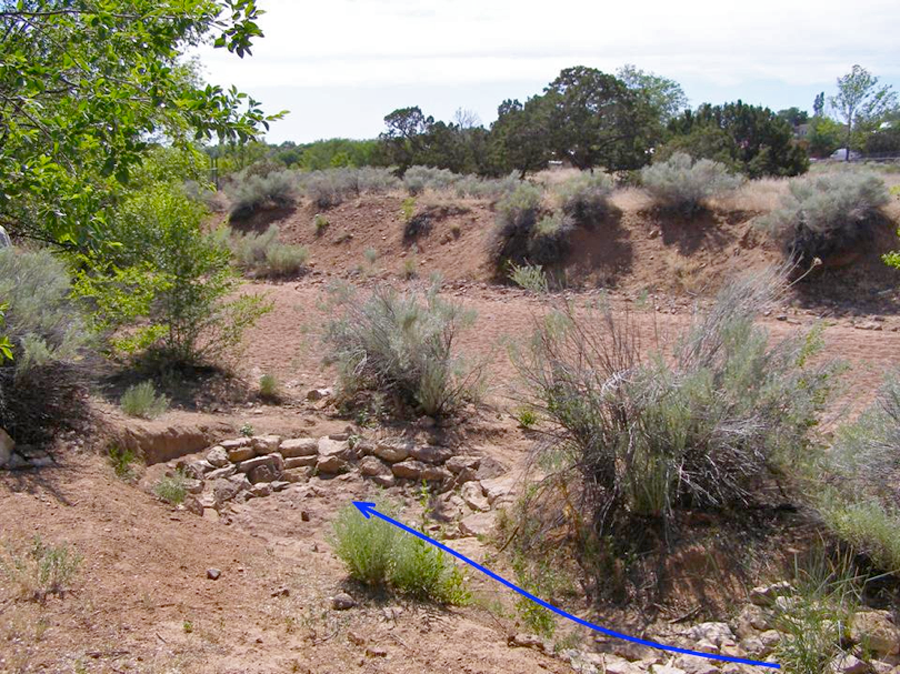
<point x="237" y="469"/>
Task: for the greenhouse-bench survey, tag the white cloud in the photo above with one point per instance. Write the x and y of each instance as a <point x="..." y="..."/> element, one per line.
<point x="341" y="44"/>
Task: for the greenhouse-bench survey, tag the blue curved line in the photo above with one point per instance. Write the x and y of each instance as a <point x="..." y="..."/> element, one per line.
<point x="367" y="509"/>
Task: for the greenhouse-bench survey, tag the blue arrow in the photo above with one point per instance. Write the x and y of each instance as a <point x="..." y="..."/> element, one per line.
<point x="368" y="510"/>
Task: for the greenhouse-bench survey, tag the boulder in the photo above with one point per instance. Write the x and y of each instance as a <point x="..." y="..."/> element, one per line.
<point x="263" y="473"/>
<point x="265" y="444"/>
<point x="719" y="634"/>
<point x="224" y="490"/>
<point x="193" y="486"/>
<point x="392" y="452"/>
<point x="408" y="470"/>
<point x="384" y="480"/>
<point x="751" y="620"/>
<point x="217" y="457"/>
<point x="316" y="394"/>
<point x="342" y="601"/>
<point x="299" y="447"/>
<point x="238" y="454"/>
<point x="236" y="443"/>
<point x="436" y="474"/>
<point x="331" y="465"/>
<point x="6" y="448"/>
<point x="294" y="475"/>
<point x="847" y="663"/>
<point x="195" y="470"/>
<point x="875" y="631"/>
<point x="430" y="453"/>
<point x="371" y="466"/>
<point x="261" y="490"/>
<point x="300" y="462"/>
<point x="497" y="488"/>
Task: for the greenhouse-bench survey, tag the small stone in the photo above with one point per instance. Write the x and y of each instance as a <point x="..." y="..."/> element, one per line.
<point x="331" y="465"/>
<point x="300" y="462"/>
<point x="847" y="663"/>
<point x="376" y="652"/>
<point x="317" y="394"/>
<point x="280" y="485"/>
<point x="371" y="466"/>
<point x="211" y="514"/>
<point x="750" y="620"/>
<point x="716" y="633"/>
<point x="384" y="481"/>
<point x="299" y="447"/>
<point x="342" y="601"/>
<point x="195" y="470"/>
<point x="193" y="486"/>
<point x="336" y="448"/>
<point x="392" y="452"/>
<point x="281" y="592"/>
<point x="221" y="473"/>
<point x="436" y="474"/>
<point x="665" y="669"/>
<point x="295" y="475"/>
<point x="526" y="641"/>
<point x="785" y="604"/>
<point x="356" y="639"/>
<point x="192" y="505"/>
<point x="869" y="325"/>
<point x="408" y="470"/>
<point x="217" y="456"/>
<point x="340" y="437"/>
<point x="765" y="595"/>
<point x="304" y="516"/>
<point x="213" y="574"/>
<point x="261" y="490"/>
<point x="691" y="664"/>
<point x="497" y="488"/>
<point x="264" y="473"/>
<point x="225" y="490"/>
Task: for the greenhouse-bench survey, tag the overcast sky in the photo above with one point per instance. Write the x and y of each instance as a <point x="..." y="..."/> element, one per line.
<point x="339" y="66"/>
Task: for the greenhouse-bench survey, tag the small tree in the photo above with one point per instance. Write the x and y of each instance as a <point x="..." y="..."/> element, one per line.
<point x="860" y="98"/>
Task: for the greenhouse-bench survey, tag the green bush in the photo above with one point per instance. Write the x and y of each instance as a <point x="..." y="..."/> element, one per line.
<point x="42" y="570"/>
<point x="169" y="289"/>
<point x="43" y="387"/>
<point x="122" y="460"/>
<point x="824" y="214"/>
<point x="585" y="199"/>
<point x="696" y="428"/>
<point x="171" y="488"/>
<point x="141" y="400"/>
<point x="379" y="555"/>
<point x="262" y="255"/>
<point x="517" y="215"/>
<point x="250" y="192"/>
<point x="269" y="387"/>
<point x="402" y="344"/>
<point x="320" y="223"/>
<point x="681" y="184"/>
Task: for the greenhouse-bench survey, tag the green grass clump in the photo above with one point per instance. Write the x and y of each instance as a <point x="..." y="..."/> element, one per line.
<point x="381" y="556"/>
<point x="122" y="460"/>
<point x="269" y="387"/>
<point x="142" y="401"/>
<point x="171" y="489"/>
<point x="42" y="569"/>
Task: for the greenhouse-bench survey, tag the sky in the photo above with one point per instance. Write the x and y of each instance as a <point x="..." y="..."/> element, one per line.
<point x="339" y="66"/>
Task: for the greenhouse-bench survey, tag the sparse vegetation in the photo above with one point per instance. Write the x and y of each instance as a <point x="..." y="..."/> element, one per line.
<point x="382" y="556"/>
<point x="419" y="178"/>
<point x="320" y="223"/>
<point x="142" y="400"/>
<point x="122" y="460"/>
<point x="250" y="192"/>
<point x="263" y="255"/>
<point x="585" y="199"/>
<point x="684" y="185"/>
<point x="407" y="209"/>
<point x="371" y="255"/>
<point x="171" y="488"/>
<point x="827" y="213"/>
<point x="517" y="216"/>
<point x="402" y="343"/>
<point x="269" y="388"/>
<point x="41" y="569"/>
<point x="651" y="433"/>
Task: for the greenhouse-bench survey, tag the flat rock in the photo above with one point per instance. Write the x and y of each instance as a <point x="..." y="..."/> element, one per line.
<point x="294" y="475"/>
<point x="238" y="454"/>
<point x="236" y="443"/>
<point x="261" y="490"/>
<point x="474" y="497"/>
<point x="765" y="595"/>
<point x="195" y="470"/>
<point x="408" y="470"/>
<point x="297" y="447"/>
<point x="430" y="453"/>
<point x="392" y="452"/>
<point x="526" y="641"/>
<point x="336" y="448"/>
<point x="221" y="473"/>
<point x="263" y="473"/>
<point x="457" y="464"/>
<point x="847" y="663"/>
<point x="436" y="474"/>
<point x="384" y="480"/>
<point x="300" y="461"/>
<point x="497" y="488"/>
<point x="217" y="457"/>
<point x="479" y="524"/>
<point x="280" y="485"/>
<point x="248" y="465"/>
<point x="713" y="632"/>
<point x="265" y="444"/>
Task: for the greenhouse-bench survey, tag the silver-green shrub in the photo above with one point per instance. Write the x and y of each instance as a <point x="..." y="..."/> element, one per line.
<point x="402" y="343"/>
<point x="419" y="178"/>
<point x="250" y="192"/>
<point x="682" y="184"/>
<point x="142" y="400"/>
<point x="823" y="214"/>
<point x="585" y="198"/>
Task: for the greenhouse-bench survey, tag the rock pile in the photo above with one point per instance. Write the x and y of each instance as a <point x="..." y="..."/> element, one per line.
<point x="241" y="468"/>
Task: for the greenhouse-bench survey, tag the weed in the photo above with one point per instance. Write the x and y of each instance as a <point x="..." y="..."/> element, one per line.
<point x="320" y="223"/>
<point x="142" y="401"/>
<point x="247" y="430"/>
<point x="172" y="488"/>
<point x="371" y="255"/>
<point x="269" y="387"/>
<point x="42" y="569"/>
<point x="526" y="417"/>
<point x="529" y="277"/>
<point x="187" y="626"/>
<point x="122" y="460"/>
<point x="410" y="267"/>
<point x="407" y="209"/>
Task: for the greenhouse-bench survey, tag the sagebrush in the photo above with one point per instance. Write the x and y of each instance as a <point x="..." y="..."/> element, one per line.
<point x="263" y="255"/>
<point x="402" y="344"/>
<point x="250" y="192"/>
<point x="142" y="400"/>
<point x="682" y="184"/>
<point x="585" y="199"/>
